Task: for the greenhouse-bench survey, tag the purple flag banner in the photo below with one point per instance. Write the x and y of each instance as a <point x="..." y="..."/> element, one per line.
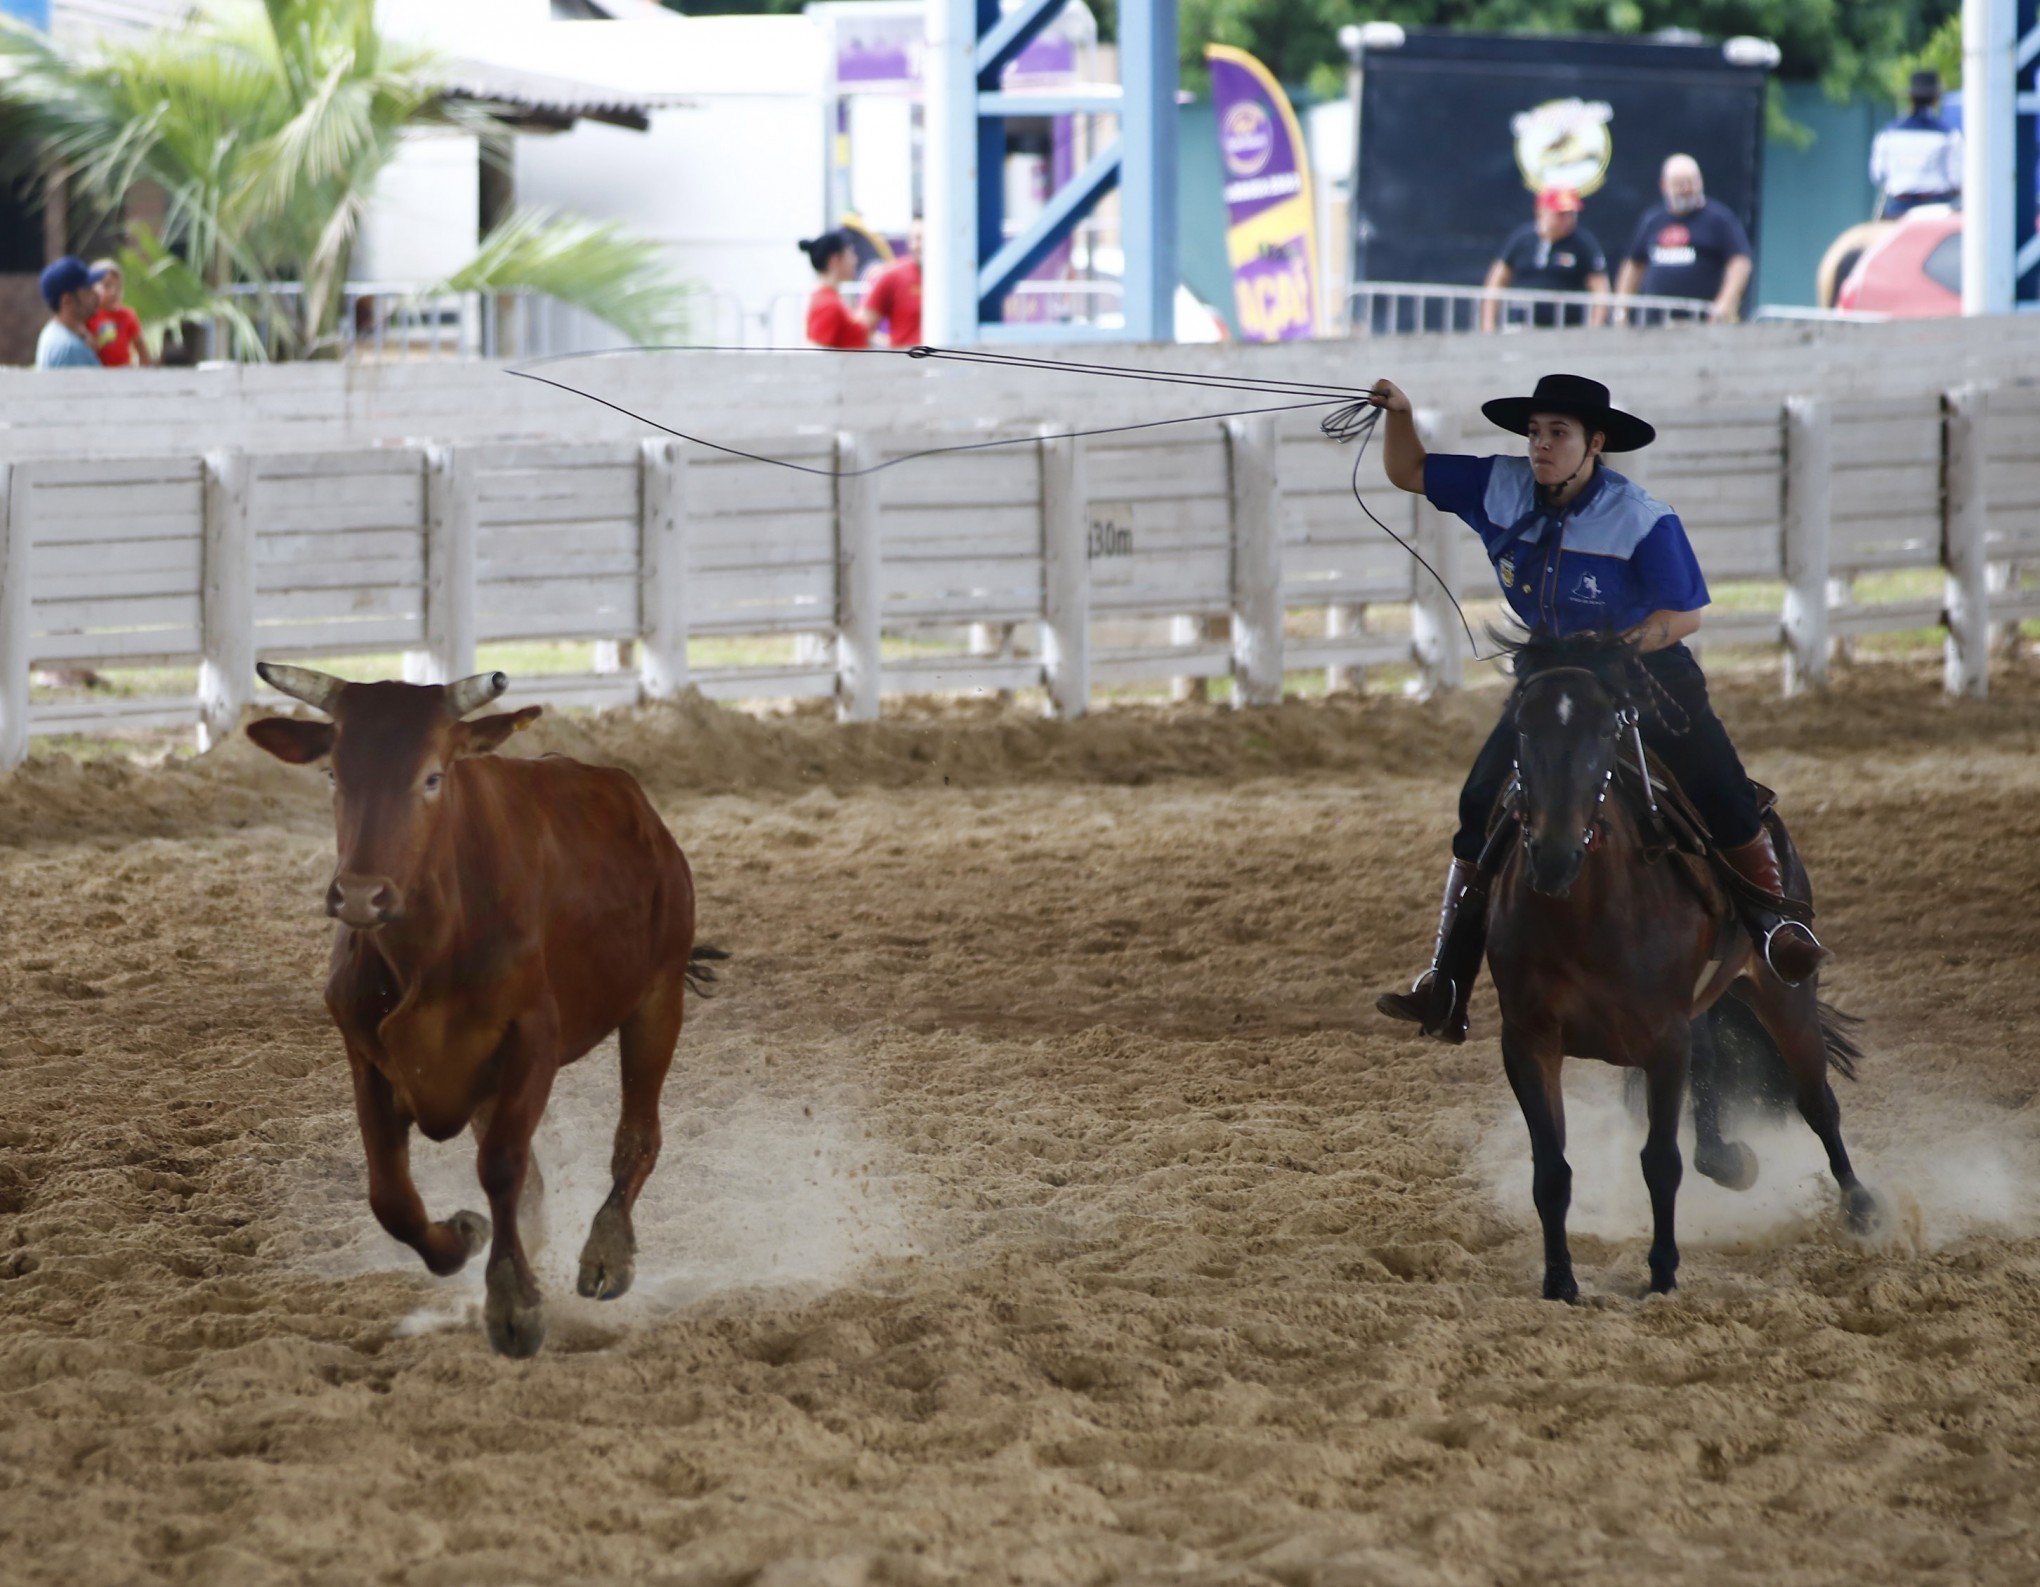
<point x="1271" y="232"/>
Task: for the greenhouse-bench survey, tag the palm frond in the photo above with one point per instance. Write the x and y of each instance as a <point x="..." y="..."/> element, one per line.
<point x="597" y="266"/>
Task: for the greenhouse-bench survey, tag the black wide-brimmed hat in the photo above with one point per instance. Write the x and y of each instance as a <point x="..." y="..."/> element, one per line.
<point x="1579" y="398"/>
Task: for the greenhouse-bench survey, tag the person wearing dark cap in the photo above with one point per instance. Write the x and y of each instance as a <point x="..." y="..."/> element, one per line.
<point x="1918" y="158"/>
<point x="830" y="323"/>
<point x="1552" y="252"/>
<point x="71" y="290"/>
<point x="1579" y="548"/>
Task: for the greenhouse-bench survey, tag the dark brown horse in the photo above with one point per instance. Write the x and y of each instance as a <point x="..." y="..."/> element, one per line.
<point x="1600" y="950"/>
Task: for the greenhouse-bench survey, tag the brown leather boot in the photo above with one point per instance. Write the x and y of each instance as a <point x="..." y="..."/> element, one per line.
<point x="1438" y="1001"/>
<point x="1789" y="947"/>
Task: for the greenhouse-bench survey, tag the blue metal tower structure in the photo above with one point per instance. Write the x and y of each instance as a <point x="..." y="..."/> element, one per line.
<point x="971" y="263"/>
<point x="2000" y="129"/>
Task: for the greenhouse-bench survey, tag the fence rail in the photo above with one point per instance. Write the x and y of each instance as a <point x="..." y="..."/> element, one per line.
<point x="1222" y="537"/>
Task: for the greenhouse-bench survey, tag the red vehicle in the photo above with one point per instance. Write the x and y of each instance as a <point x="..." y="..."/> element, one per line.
<point x="1912" y="270"/>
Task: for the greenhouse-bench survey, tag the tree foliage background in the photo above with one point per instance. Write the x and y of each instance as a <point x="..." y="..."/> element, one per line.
<point x="1850" y="46"/>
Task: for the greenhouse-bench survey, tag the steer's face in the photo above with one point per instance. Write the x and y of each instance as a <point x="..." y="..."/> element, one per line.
<point x="391" y="752"/>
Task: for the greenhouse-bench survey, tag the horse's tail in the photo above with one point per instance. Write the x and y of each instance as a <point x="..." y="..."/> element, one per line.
<point x="1841" y="1047"/>
<point x="701" y="976"/>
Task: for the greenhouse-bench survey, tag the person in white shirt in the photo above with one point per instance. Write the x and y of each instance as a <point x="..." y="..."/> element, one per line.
<point x="1918" y="158"/>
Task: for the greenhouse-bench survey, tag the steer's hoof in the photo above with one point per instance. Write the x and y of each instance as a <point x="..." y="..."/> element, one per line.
<point x="514" y="1315"/>
<point x="461" y="1236"/>
<point x="1732" y="1165"/>
<point x="607" y="1265"/>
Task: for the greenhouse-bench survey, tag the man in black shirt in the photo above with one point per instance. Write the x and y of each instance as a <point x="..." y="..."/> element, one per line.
<point x="1689" y="246"/>
<point x="1552" y="252"/>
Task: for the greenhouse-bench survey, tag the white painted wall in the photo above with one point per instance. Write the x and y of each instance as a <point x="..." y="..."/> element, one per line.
<point x="728" y="183"/>
<point x="426" y="217"/>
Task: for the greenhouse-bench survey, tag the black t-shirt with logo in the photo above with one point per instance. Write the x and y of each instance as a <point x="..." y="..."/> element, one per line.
<point x="1685" y="256"/>
<point x="1562" y="265"/>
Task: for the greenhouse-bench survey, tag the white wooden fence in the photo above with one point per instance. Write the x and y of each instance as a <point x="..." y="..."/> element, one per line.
<point x="434" y="549"/>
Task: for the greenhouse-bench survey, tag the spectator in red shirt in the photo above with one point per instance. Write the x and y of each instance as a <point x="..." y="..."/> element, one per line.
<point x="896" y="295"/>
<point x="829" y="322"/>
<point x="115" y="332"/>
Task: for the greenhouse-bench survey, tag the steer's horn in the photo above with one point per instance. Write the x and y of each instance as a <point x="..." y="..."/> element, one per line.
<point x="471" y="694"/>
<point x="301" y="683"/>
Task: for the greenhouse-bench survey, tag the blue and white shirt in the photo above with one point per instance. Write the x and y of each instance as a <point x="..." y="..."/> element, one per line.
<point x="1918" y="156"/>
<point x="1608" y="559"/>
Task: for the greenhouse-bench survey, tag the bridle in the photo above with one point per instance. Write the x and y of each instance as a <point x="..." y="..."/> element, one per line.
<point x="1625" y="716"/>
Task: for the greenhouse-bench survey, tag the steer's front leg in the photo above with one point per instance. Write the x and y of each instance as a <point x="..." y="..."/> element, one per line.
<point x="515" y="1313"/>
<point x="392" y="1196"/>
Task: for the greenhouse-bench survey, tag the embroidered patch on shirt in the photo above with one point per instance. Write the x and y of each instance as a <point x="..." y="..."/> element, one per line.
<point x="1588" y="589"/>
<point x="1507" y="567"/>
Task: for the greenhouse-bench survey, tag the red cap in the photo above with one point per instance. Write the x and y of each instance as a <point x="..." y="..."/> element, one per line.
<point x="1559" y="201"/>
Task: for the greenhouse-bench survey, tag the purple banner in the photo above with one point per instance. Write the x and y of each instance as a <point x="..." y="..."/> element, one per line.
<point x="1271" y="235"/>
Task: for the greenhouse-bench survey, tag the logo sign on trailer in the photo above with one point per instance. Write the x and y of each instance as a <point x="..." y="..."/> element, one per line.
<point x="1271" y="236"/>
<point x="1459" y="130"/>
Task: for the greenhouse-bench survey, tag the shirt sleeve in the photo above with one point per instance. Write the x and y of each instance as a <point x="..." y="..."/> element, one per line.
<point x="1737" y="240"/>
<point x="1668" y="576"/>
<point x="883" y="290"/>
<point x="1880" y="169"/>
<point x="1590" y="248"/>
<point x="1456" y="483"/>
<point x="1639" y="245"/>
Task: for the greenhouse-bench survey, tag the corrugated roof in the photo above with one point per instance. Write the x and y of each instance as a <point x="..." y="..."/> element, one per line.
<point x="548" y="96"/>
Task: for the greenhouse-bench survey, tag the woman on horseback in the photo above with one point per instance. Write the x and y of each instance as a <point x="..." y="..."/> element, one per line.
<point x="1577" y="547"/>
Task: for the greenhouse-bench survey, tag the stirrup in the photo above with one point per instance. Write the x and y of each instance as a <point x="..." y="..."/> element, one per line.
<point x="1819" y="948"/>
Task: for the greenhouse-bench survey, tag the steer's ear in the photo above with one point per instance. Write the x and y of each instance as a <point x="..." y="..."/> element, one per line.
<point x="488" y="733"/>
<point x="300" y="743"/>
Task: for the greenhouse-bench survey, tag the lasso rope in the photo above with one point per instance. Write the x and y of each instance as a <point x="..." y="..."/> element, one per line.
<point x="1353" y="415"/>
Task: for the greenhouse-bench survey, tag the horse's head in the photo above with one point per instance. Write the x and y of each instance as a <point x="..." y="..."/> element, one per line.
<point x="1570" y="713"/>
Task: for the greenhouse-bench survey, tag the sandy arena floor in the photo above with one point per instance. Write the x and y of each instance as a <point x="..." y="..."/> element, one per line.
<point x="1042" y="1202"/>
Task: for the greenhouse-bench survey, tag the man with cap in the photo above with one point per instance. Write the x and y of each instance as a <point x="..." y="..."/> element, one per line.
<point x="1579" y="548"/>
<point x="1551" y="252"/>
<point x="72" y="292"/>
<point x="1918" y="158"/>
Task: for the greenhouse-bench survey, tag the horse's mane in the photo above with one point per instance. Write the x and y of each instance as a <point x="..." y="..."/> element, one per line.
<point x="1609" y="656"/>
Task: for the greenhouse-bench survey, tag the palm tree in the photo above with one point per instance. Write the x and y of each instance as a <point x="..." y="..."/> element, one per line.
<point x="266" y="126"/>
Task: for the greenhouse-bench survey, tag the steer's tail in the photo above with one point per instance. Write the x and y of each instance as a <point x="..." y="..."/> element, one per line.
<point x="701" y="976"/>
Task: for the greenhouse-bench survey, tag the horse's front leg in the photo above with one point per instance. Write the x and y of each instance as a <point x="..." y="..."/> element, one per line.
<point x="1662" y="1167"/>
<point x="1533" y="1064"/>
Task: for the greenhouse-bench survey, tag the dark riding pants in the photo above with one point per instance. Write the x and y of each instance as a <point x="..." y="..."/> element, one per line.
<point x="1701" y="757"/>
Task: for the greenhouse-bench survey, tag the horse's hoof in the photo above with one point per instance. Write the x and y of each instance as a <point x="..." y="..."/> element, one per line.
<point x="1663" y="1283"/>
<point x="1733" y="1166"/>
<point x="1561" y="1286"/>
<point x="1864" y="1211"/>
<point x="471" y="1232"/>
<point x="514" y="1315"/>
<point x="607" y="1260"/>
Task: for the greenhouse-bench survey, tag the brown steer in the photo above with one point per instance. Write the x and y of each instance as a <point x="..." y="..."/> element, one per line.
<point x="498" y="918"/>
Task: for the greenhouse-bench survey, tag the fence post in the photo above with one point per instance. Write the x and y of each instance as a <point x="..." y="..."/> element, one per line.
<point x="226" y="610"/>
<point x="1434" y="624"/>
<point x="449" y="564"/>
<point x="1257" y="561"/>
<point x="1066" y="575"/>
<point x="859" y="679"/>
<point x="1965" y="513"/>
<point x="1342" y="621"/>
<point x="1809" y="496"/>
<point x="662" y="567"/>
<point x="13" y="616"/>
